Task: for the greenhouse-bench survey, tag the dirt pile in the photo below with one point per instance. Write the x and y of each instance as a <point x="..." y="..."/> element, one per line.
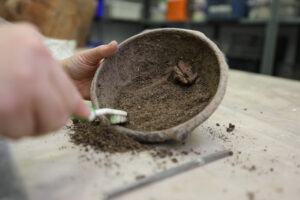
<point x="103" y="138"/>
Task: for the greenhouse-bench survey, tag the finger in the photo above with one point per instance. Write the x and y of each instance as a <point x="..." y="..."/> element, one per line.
<point x="93" y="56"/>
<point x="16" y="120"/>
<point x="50" y="113"/>
<point x="82" y="110"/>
<point x="70" y="96"/>
<point x="23" y="124"/>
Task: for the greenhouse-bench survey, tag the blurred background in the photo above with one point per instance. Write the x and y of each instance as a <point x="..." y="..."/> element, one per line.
<point x="258" y="36"/>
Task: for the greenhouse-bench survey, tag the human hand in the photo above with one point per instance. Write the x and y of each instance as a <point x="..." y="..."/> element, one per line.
<point x="82" y="66"/>
<point x="36" y="95"/>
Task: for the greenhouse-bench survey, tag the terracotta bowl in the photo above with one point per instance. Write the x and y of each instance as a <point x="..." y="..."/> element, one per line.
<point x="117" y="71"/>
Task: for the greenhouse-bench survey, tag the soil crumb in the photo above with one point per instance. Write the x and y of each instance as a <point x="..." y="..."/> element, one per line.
<point x="250" y="195"/>
<point x="230" y="128"/>
<point x="252" y="168"/>
<point x="140" y="177"/>
<point x="184" y="152"/>
<point x="174" y="160"/>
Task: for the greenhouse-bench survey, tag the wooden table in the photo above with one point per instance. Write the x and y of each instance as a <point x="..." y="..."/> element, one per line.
<point x="265" y="164"/>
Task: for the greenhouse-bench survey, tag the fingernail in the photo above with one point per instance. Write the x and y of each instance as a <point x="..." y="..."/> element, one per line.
<point x="112" y="42"/>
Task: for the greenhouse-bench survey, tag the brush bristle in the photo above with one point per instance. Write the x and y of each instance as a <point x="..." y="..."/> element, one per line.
<point x="117" y="119"/>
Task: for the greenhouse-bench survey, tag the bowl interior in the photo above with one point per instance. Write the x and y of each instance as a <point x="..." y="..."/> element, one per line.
<point x="144" y="62"/>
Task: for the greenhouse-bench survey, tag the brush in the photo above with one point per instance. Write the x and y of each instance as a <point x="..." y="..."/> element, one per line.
<point x="114" y="116"/>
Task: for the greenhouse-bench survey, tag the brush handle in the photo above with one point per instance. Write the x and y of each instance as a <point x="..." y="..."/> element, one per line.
<point x="100" y="112"/>
<point x="110" y="111"/>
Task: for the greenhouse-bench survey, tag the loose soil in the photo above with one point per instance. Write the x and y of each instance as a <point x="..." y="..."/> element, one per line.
<point x="103" y="138"/>
<point x="156" y="100"/>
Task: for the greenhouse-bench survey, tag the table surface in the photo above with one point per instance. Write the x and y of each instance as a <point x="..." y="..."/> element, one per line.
<point x="265" y="164"/>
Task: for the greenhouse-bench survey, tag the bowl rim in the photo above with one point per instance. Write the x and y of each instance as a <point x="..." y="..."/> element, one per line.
<point x="182" y="130"/>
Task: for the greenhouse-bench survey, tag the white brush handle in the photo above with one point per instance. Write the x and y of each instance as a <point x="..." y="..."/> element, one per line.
<point x="103" y="111"/>
<point x="109" y="111"/>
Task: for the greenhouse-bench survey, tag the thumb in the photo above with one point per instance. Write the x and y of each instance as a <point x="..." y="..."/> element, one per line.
<point x="93" y="56"/>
